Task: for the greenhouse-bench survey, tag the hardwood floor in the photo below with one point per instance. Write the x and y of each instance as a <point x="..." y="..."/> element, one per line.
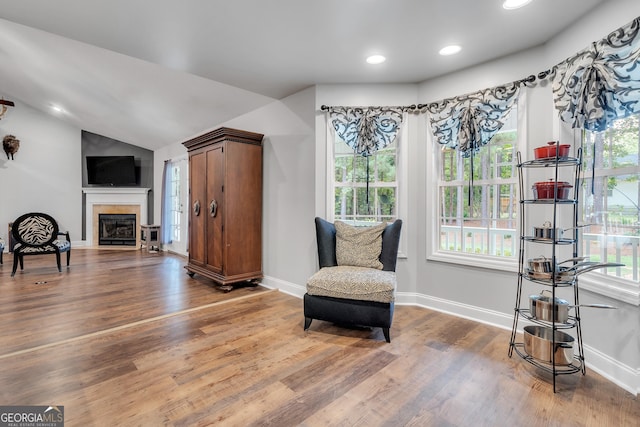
<point x="126" y="338"/>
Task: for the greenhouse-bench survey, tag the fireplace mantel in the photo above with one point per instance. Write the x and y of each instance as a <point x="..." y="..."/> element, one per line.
<point x="113" y="200"/>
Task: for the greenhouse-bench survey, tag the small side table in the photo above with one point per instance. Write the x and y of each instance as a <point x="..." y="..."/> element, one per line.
<point x="150" y="237"/>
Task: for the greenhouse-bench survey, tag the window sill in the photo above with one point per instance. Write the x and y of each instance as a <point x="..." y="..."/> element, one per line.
<point x="481" y="261"/>
<point x="612" y="287"/>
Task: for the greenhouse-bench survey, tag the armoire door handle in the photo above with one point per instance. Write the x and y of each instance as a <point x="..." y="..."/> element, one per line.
<point x="213" y="208"/>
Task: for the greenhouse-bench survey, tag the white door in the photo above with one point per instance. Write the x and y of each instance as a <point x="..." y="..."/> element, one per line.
<point x="179" y="194"/>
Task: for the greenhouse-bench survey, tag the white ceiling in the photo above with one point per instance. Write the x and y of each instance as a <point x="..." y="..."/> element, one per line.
<point x="155" y="72"/>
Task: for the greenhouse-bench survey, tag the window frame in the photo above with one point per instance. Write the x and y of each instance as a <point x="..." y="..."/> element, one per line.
<point x="602" y="284"/>
<point x="433" y="252"/>
<point x="402" y="158"/>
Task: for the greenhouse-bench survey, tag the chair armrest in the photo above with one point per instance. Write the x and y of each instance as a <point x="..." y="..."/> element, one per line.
<point x="326" y="240"/>
<point x="66" y="234"/>
<point x="390" y="243"/>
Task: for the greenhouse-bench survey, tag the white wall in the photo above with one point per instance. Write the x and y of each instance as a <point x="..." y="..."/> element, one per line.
<point x="45" y="175"/>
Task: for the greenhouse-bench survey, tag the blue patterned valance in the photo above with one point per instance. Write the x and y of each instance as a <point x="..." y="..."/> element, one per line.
<point x="366" y="129"/>
<point x="601" y="83"/>
<point x="468" y="122"/>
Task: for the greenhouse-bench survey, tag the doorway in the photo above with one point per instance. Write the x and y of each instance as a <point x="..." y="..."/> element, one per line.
<point x="177" y="194"/>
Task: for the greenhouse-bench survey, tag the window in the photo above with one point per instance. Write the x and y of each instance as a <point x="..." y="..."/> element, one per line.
<point x="174" y="198"/>
<point x="483" y="224"/>
<point x="610" y="201"/>
<point x="176" y="203"/>
<point x="351" y="200"/>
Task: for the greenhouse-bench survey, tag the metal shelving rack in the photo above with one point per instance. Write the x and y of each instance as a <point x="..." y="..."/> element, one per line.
<point x="554" y="282"/>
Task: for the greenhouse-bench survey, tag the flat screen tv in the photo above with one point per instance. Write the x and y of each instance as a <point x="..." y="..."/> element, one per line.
<point x="115" y="171"/>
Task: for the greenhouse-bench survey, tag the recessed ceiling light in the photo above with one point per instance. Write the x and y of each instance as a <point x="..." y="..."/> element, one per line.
<point x="450" y="50"/>
<point x="514" y="4"/>
<point x="376" y="59"/>
<point x="57" y="108"/>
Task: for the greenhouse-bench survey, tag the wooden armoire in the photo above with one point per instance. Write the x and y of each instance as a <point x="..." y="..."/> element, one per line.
<point x="225" y="199"/>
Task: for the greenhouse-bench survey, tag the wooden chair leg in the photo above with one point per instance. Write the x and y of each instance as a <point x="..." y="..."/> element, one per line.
<point x="68" y="257"/>
<point x="58" y="261"/>
<point x="385" y="331"/>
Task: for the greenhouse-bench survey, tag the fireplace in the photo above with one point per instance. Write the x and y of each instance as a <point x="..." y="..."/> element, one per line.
<point x="116" y="200"/>
<point x="117" y="229"/>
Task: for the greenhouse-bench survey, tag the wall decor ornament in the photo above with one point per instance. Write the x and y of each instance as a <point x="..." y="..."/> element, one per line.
<point x="3" y="106"/>
<point x="10" y="144"/>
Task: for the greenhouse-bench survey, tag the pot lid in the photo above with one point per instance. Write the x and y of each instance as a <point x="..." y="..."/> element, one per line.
<point x="544" y="298"/>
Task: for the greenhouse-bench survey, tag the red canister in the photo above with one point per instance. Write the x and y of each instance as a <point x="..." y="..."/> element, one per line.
<point x="546" y="190"/>
<point x="549" y="151"/>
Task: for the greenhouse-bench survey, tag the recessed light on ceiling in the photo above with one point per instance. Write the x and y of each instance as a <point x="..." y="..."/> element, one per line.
<point x="376" y="59"/>
<point x="450" y="50"/>
<point x="514" y="4"/>
<point x="57" y="109"/>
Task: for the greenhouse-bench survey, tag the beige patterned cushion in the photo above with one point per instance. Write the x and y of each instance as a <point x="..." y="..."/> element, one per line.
<point x="359" y="246"/>
<point x="358" y="283"/>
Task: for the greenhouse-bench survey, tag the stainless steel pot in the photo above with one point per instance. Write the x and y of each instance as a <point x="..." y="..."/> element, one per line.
<point x="547" y="232"/>
<point x="541" y="265"/>
<point x="542" y="268"/>
<point x="544" y="307"/>
<point x="539" y="344"/>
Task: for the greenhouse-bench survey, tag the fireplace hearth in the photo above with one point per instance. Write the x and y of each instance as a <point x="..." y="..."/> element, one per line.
<point x="117" y="229"/>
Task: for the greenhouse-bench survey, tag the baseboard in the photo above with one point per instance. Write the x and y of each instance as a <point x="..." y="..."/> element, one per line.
<point x="618" y="373"/>
<point x="283" y="286"/>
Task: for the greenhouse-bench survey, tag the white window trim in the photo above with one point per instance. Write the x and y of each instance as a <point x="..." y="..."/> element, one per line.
<point x="432" y="224"/>
<point x="603" y="284"/>
<point x="402" y="159"/>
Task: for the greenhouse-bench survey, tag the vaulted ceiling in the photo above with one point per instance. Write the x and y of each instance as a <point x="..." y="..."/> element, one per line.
<point x="154" y="72"/>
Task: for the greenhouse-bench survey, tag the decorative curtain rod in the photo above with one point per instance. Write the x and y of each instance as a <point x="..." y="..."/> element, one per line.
<point x="527" y="81"/>
<point x="407" y="107"/>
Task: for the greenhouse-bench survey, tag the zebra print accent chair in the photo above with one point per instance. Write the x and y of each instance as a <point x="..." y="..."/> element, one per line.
<point x="35" y="234"/>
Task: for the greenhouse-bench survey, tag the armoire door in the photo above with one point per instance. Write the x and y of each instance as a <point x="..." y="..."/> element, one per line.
<point x="198" y="207"/>
<point x="215" y="208"/>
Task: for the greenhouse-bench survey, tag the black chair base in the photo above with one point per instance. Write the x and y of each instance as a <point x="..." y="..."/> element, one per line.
<point x="348" y="312"/>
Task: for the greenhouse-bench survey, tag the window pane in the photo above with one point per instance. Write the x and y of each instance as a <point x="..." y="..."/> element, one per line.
<point x="386" y="203"/>
<point x="611" y="198"/>
<point x="350" y="184"/>
<point x="344" y="169"/>
<point x="343" y="202"/>
<point x="361" y="168"/>
<point x="386" y="166"/>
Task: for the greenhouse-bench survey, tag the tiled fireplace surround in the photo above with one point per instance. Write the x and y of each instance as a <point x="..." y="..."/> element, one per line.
<point x="118" y="200"/>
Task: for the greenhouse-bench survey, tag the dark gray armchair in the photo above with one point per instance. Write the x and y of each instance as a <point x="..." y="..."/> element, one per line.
<point x="35" y="234"/>
<point x="355" y="296"/>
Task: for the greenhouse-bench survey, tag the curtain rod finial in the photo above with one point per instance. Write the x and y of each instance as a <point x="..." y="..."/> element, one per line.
<point x="324" y="108"/>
